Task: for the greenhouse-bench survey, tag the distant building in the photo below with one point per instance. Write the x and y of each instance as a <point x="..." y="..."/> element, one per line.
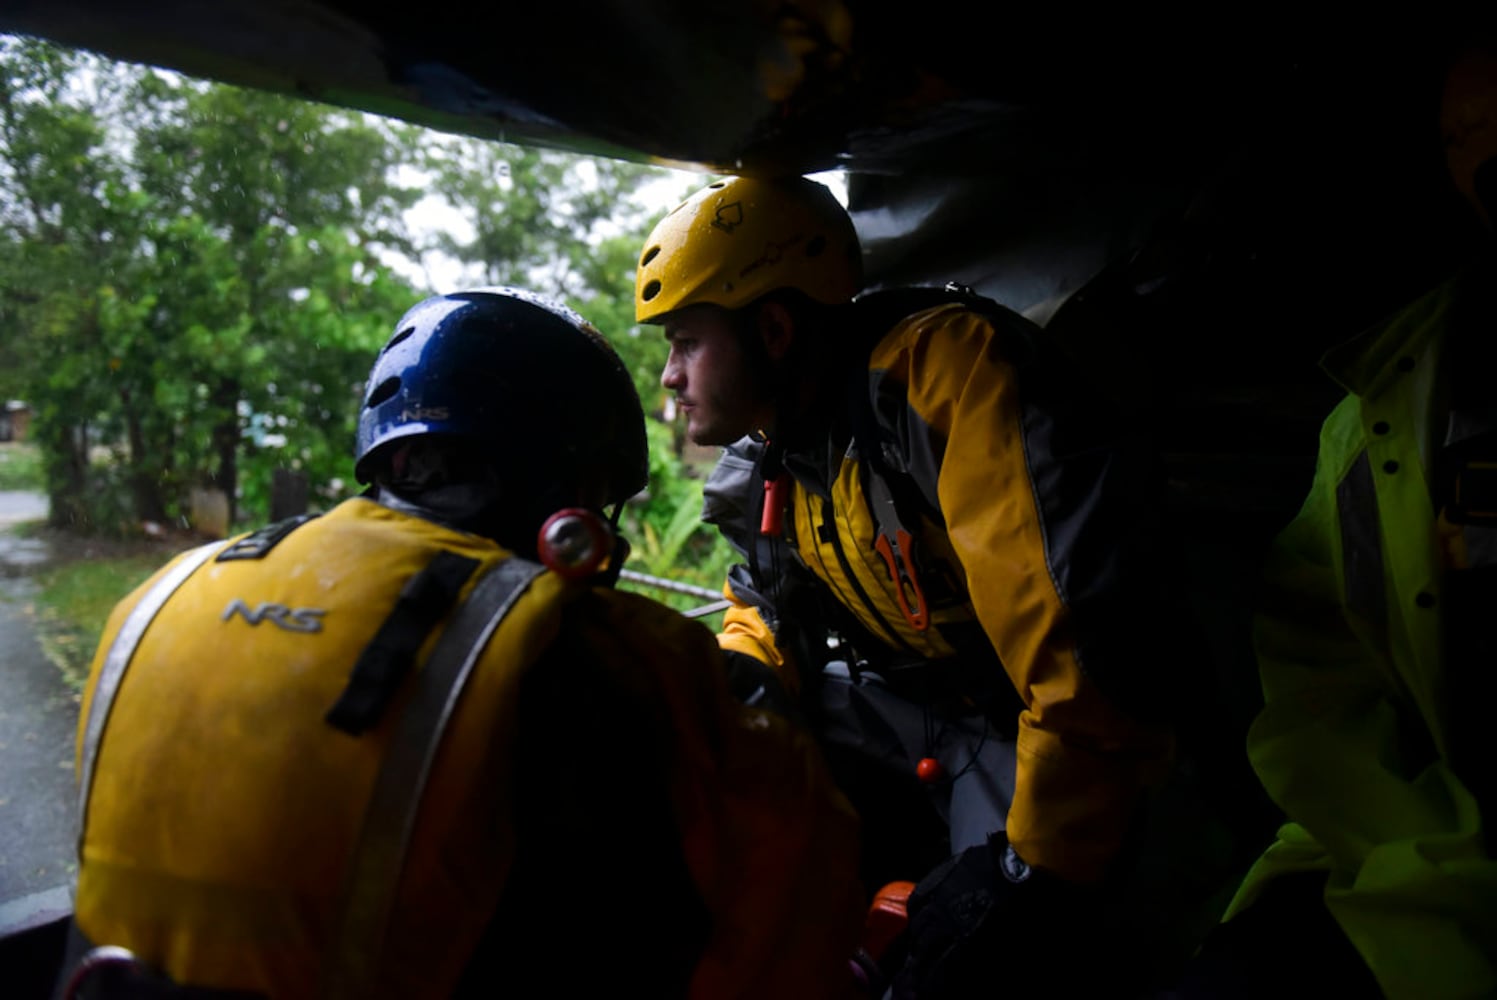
<point x="15" y="419"/>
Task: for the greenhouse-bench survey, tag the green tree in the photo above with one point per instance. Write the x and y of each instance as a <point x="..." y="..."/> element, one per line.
<point x="292" y="203"/>
<point x="70" y="230"/>
<point x="193" y="273"/>
<point x="535" y="215"/>
<point x="193" y="281"/>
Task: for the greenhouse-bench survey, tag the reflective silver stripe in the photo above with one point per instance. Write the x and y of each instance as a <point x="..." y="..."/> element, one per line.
<point x="1361" y="543"/>
<point x="378" y="859"/>
<point x="112" y="672"/>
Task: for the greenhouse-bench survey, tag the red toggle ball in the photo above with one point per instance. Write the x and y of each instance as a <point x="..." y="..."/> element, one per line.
<point x="929" y="770"/>
<point x="575" y="543"/>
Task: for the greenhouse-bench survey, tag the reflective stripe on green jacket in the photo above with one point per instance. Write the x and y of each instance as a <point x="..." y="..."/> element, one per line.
<point x="1353" y="741"/>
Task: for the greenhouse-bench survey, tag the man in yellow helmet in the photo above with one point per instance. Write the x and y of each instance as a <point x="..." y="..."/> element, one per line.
<point x="915" y="480"/>
<point x="1376" y="652"/>
<point x="418" y="746"/>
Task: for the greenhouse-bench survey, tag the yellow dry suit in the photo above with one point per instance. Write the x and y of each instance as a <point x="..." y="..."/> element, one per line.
<point x="369" y="755"/>
<point x="985" y="548"/>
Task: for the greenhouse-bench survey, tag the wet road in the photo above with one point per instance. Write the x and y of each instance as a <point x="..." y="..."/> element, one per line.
<point x="37" y="721"/>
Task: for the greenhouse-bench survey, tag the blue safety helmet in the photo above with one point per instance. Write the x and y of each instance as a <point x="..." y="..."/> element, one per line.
<point x="514" y="373"/>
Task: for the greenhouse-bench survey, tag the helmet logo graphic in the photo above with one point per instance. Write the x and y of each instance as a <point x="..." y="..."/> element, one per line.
<point x="425" y="413"/>
<point x="728" y="217"/>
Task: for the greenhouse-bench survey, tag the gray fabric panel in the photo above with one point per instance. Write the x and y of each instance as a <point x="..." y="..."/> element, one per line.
<point x="892" y="730"/>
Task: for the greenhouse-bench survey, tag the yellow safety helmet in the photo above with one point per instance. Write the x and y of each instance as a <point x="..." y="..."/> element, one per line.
<point x="740" y="238"/>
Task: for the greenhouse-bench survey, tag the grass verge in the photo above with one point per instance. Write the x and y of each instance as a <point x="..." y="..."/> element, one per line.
<point x="77" y="586"/>
<point x="73" y="602"/>
<point x="20" y="466"/>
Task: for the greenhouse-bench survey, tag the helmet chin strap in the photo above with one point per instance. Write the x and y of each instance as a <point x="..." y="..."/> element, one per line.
<point x="482" y="509"/>
<point x="448" y="486"/>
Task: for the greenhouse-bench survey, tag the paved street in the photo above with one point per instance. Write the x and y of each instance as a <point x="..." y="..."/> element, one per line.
<point x="37" y="723"/>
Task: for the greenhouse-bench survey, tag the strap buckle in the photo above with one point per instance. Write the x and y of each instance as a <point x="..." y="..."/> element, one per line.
<point x="906" y="582"/>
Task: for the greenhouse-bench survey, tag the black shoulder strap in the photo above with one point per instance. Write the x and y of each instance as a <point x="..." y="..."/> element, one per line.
<point x="887" y="306"/>
<point x="878" y="312"/>
<point x="382" y="666"/>
<point x="257" y="544"/>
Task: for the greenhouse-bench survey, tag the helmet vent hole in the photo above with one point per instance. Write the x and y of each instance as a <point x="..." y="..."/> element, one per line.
<point x="386" y="389"/>
<point x="402" y="335"/>
<point x="816" y="247"/>
<point x="650" y="291"/>
<point x="650" y="255"/>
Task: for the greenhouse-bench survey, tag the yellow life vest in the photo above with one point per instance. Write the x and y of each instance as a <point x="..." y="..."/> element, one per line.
<point x="232" y="838"/>
<point x="838" y="539"/>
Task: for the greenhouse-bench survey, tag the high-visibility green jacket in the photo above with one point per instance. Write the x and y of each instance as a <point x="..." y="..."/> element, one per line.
<point x="1355" y="739"/>
<point x="1032" y="539"/>
<point x="238" y="834"/>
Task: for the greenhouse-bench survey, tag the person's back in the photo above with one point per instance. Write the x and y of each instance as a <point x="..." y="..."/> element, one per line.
<point x="386" y="751"/>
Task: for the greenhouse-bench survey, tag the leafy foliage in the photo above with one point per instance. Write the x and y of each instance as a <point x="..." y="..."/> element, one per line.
<point x="194" y="279"/>
<point x="665" y="531"/>
<point x="166" y="245"/>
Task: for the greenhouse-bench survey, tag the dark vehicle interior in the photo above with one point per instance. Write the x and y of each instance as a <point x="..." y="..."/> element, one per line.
<point x="1198" y="211"/>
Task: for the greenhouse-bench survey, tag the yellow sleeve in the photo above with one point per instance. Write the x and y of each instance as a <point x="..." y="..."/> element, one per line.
<point x="744" y="631"/>
<point x="1001" y="486"/>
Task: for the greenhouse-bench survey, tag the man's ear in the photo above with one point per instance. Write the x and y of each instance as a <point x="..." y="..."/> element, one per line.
<point x="776" y="329"/>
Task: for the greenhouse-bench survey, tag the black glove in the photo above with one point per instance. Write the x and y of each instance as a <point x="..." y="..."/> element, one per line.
<point x="984" y="923"/>
<point x="755" y="683"/>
